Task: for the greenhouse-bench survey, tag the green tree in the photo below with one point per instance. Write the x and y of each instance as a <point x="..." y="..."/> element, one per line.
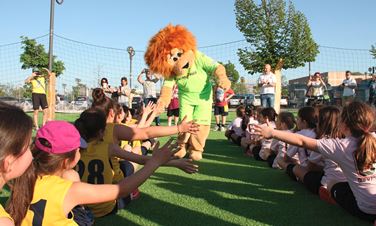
<point x="78" y="89"/>
<point x="275" y="32"/>
<point x="278" y="35"/>
<point x="35" y="56"/>
<point x="373" y="51"/>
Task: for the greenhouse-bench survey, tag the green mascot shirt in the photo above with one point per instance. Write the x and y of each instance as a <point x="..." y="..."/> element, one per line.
<point x="195" y="89"/>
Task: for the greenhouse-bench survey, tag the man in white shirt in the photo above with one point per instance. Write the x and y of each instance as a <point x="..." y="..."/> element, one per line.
<point x="349" y="85"/>
<point x="150" y="94"/>
<point x="267" y="83"/>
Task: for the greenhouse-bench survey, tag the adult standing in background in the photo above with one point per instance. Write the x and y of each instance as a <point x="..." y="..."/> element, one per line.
<point x="125" y="93"/>
<point x="39" y="98"/>
<point x="349" y="85"/>
<point x="149" y="88"/>
<point x="315" y="90"/>
<point x="108" y="91"/>
<point x="267" y="82"/>
<point x="372" y="91"/>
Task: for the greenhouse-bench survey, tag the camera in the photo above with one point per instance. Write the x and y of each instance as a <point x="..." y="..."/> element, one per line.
<point x="146" y="71"/>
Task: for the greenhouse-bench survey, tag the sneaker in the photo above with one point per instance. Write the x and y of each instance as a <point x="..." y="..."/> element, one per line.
<point x="217" y="128"/>
<point x="135" y="194"/>
<point x="223" y="129"/>
<point x="325" y="196"/>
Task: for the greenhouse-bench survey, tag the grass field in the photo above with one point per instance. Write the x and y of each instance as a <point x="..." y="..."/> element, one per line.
<point x="229" y="189"/>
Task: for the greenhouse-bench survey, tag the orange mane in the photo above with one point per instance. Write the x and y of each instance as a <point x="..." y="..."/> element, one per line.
<point x="162" y="43"/>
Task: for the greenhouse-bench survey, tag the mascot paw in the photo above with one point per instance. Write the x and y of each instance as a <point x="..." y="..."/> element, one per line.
<point x="226" y="84"/>
<point x="195" y="155"/>
<point x="181" y="153"/>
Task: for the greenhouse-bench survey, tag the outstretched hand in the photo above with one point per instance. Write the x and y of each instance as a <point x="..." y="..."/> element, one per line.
<point x="185" y="165"/>
<point x="163" y="154"/>
<point x="264" y="130"/>
<point x="148" y="108"/>
<point x="188" y="127"/>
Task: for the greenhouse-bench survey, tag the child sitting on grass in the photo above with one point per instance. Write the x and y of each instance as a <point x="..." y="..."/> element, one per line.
<point x="355" y="154"/>
<point x="234" y="131"/>
<point x="306" y="124"/>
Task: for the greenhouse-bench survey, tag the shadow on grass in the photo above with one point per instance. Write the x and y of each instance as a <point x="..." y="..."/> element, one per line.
<point x="160" y="212"/>
<point x="251" y="190"/>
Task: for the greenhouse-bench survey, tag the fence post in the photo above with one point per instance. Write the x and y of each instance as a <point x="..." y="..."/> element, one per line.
<point x="51" y="98"/>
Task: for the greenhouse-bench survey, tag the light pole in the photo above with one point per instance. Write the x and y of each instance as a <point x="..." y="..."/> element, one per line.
<point x="52" y="15"/>
<point x="131" y="53"/>
<point x="372" y="70"/>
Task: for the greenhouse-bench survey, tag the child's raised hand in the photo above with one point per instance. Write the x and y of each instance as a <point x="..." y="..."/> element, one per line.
<point x="190" y="127"/>
<point x="186" y="165"/>
<point x="264" y="130"/>
<point x="149" y="108"/>
<point x="163" y="154"/>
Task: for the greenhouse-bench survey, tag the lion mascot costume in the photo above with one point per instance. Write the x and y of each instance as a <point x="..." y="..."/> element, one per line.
<point x="173" y="54"/>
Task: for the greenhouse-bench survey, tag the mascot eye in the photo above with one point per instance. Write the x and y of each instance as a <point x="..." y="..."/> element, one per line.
<point x="179" y="54"/>
<point x="175" y="58"/>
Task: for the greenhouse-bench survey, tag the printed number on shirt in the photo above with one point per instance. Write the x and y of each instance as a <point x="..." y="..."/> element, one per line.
<point x="95" y="169"/>
<point x="38" y="209"/>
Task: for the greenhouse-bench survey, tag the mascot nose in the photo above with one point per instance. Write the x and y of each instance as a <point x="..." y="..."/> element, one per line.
<point x="175" y="58"/>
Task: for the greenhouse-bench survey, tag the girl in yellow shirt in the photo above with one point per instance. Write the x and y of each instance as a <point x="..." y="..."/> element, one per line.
<point x="15" y="136"/>
<point x="91" y="125"/>
<point x="49" y="197"/>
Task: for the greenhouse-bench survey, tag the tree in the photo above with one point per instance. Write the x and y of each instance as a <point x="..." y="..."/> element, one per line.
<point x="79" y="89"/>
<point x="373" y="51"/>
<point x="278" y="34"/>
<point x="35" y="56"/>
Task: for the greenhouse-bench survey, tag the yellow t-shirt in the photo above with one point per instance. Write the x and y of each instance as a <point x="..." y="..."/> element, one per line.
<point x="94" y="168"/>
<point x="4" y="214"/>
<point x="135" y="143"/>
<point x="38" y="85"/>
<point x="46" y="208"/>
<point x="108" y="138"/>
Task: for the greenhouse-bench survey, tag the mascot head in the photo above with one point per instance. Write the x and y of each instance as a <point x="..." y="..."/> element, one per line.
<point x="171" y="51"/>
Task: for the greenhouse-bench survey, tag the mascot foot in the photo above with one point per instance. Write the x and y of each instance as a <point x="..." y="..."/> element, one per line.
<point x="181" y="153"/>
<point x="195" y="155"/>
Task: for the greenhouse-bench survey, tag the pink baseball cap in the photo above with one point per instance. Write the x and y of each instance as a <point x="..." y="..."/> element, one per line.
<point x="62" y="136"/>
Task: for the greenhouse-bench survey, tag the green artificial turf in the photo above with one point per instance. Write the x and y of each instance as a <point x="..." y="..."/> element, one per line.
<point x="230" y="189"/>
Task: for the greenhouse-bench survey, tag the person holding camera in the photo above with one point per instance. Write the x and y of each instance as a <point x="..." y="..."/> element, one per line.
<point x="349" y="85"/>
<point x="149" y="87"/>
<point x="372" y="91"/>
<point x="315" y="92"/>
<point x="38" y="94"/>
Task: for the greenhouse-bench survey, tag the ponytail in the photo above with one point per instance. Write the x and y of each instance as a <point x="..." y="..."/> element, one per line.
<point x="359" y="118"/>
<point x="366" y="154"/>
<point x="101" y="102"/>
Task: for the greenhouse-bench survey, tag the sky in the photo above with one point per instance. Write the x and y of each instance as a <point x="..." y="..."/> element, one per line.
<point x="119" y="23"/>
<point x="346" y="24"/>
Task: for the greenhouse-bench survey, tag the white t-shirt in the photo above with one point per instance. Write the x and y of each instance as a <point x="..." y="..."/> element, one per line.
<point x="332" y="172"/>
<point x="270" y="78"/>
<point x="236" y="125"/>
<point x="317" y="88"/>
<point x="362" y="184"/>
<point x="349" y="87"/>
<point x="266" y="144"/>
<point x="123" y="98"/>
<point x="251" y="134"/>
<point x="302" y="153"/>
<point x="280" y="147"/>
